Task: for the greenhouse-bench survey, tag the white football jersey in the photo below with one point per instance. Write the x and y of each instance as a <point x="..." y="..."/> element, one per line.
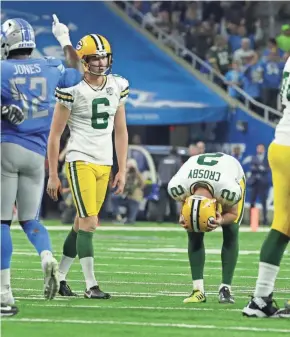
<point x="91" y="121"/>
<point x="221" y="173"/>
<point x="282" y="133"/>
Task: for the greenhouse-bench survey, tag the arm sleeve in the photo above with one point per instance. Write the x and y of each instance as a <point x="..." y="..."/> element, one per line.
<point x="124" y="90"/>
<point x="230" y="194"/>
<point x="69" y="78"/>
<point x="177" y="188"/>
<point x="65" y="96"/>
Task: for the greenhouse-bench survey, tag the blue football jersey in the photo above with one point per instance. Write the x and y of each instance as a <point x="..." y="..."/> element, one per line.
<point x="30" y="84"/>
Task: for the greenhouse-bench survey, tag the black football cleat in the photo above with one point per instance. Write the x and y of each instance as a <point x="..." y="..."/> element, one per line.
<point x="8" y="310"/>
<point x="65" y="290"/>
<point x="225" y="296"/>
<point x="96" y="293"/>
<point x="261" y="307"/>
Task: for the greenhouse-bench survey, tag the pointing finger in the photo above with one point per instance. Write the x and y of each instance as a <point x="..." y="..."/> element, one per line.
<point x="55" y="18"/>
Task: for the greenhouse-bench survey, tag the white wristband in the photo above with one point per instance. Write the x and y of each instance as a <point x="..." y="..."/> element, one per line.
<point x="64" y="41"/>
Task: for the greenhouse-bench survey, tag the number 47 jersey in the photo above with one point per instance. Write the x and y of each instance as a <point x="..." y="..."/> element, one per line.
<point x="91" y="121"/>
<point x="222" y="174"/>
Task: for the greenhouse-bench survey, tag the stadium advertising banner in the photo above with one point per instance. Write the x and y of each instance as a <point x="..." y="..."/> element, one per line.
<point x="161" y="91"/>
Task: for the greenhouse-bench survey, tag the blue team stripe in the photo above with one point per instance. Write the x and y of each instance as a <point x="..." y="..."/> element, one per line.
<point x="21" y="27"/>
<point x="24" y="29"/>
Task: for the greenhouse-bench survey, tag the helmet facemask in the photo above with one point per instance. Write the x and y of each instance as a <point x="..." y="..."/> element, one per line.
<point x="4" y="48"/>
<point x="98" y="64"/>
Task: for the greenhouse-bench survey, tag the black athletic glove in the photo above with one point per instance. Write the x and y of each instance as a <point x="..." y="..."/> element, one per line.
<point x="12" y="113"/>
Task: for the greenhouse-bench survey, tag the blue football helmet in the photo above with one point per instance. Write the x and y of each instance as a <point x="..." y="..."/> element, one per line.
<point x="16" y="34"/>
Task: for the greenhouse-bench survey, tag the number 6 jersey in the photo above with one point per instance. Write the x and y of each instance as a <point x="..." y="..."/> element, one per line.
<point x="220" y="173"/>
<point x="91" y="121"/>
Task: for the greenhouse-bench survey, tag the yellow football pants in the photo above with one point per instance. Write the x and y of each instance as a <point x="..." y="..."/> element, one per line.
<point x="279" y="159"/>
<point x="88" y="183"/>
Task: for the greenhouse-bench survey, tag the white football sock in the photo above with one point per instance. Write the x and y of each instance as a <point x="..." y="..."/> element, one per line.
<point x="45" y="255"/>
<point x="88" y="271"/>
<point x="266" y="279"/>
<point x="198" y="285"/>
<point x="64" y="267"/>
<point x="5" y="279"/>
<point x="225" y="285"/>
<point x="6" y="292"/>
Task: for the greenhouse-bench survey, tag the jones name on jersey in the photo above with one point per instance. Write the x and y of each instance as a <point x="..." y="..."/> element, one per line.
<point x="91" y="121"/>
<point x="219" y="172"/>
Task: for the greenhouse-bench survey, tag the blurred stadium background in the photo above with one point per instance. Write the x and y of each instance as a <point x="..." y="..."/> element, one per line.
<point x="199" y="72"/>
<point x="204" y="76"/>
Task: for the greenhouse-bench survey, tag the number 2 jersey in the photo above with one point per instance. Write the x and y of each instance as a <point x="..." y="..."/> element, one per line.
<point x="91" y="120"/>
<point x="30" y="84"/>
<point x="222" y="174"/>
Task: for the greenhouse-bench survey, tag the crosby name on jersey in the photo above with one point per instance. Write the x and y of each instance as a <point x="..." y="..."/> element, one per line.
<point x="92" y="116"/>
<point x="220" y="173"/>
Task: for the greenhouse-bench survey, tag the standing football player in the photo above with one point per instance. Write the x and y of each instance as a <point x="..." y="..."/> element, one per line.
<point x="92" y="109"/>
<point x="278" y="238"/>
<point x="28" y="83"/>
<point x="210" y="176"/>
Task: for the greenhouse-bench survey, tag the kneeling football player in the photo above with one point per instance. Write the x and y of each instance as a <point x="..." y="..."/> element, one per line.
<point x="212" y="187"/>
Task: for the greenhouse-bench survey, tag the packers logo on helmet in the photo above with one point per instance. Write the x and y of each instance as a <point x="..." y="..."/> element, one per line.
<point x="198" y="212"/>
<point x="94" y="45"/>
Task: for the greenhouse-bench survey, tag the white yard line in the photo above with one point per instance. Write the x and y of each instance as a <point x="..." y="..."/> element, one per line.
<point x="135" y="295"/>
<point x="142" y="273"/>
<point x="131" y="282"/>
<point x="144" y="324"/>
<point x="136" y="258"/>
<point x="175" y="250"/>
<point x="97" y="264"/>
<point x="39" y="297"/>
<point x="140" y="229"/>
<point x="160" y="251"/>
<point x="105" y="307"/>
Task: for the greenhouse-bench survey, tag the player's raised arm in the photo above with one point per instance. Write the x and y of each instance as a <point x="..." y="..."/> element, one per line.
<point x="61" y="33"/>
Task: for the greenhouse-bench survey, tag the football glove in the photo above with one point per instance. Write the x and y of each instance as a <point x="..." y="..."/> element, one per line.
<point x="61" y="32"/>
<point x="12" y="113"/>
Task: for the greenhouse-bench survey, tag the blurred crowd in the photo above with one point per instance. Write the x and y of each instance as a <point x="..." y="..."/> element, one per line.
<point x="229" y="36"/>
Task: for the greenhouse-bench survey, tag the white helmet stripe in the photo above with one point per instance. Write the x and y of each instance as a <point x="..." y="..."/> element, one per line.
<point x="194" y="215"/>
<point x="98" y="41"/>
